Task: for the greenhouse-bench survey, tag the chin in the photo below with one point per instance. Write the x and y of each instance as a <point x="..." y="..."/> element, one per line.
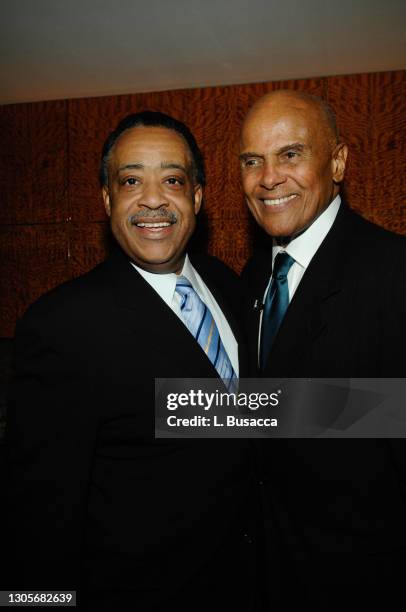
<point x="276" y="232"/>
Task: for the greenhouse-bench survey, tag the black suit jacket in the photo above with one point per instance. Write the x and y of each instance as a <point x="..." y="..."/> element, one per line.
<point x="347" y="317"/>
<point x="97" y="503"/>
<point x="336" y="508"/>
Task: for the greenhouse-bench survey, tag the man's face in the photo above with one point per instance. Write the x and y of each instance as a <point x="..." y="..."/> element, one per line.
<point x="290" y="165"/>
<point x="151" y="199"/>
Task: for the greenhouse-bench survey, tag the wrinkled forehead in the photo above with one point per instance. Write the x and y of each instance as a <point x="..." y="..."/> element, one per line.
<point x="278" y="113"/>
<point x="289" y="117"/>
<point x="152" y="139"/>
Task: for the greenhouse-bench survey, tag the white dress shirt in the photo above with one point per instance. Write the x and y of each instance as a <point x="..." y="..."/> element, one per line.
<point x="303" y="248"/>
<point x="165" y="284"/>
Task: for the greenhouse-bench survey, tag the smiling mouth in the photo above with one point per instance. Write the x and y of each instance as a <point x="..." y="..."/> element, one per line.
<point x="153" y="225"/>
<point x="149" y="229"/>
<point x="279" y="201"/>
<point x="156" y="222"/>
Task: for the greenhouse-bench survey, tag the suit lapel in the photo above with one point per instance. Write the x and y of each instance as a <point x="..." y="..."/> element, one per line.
<point x="151" y="320"/>
<point x="256" y="280"/>
<point x="221" y="299"/>
<point x="308" y="314"/>
<point x="230" y="310"/>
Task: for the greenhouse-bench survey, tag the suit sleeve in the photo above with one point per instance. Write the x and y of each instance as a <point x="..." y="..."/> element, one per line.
<point x="393" y="362"/>
<point x="50" y="439"/>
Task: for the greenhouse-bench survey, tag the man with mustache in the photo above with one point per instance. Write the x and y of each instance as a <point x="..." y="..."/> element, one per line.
<point x="333" y="291"/>
<point x="99" y="505"/>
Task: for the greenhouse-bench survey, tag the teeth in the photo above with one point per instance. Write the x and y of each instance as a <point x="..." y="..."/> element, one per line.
<point x="153" y="224"/>
<point x="276" y="201"/>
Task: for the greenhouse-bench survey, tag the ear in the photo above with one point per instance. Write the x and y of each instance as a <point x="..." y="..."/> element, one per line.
<point x="339" y="160"/>
<point x="198" y="196"/>
<point x="106" y="200"/>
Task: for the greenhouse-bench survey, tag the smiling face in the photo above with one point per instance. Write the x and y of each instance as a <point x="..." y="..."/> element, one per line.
<point x="151" y="199"/>
<point x="291" y="163"/>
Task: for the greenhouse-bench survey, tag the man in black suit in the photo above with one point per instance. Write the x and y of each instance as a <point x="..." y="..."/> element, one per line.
<point x="335" y="509"/>
<point x="99" y="505"/>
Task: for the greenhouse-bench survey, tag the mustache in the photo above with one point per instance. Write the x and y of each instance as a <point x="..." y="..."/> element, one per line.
<point x="161" y="215"/>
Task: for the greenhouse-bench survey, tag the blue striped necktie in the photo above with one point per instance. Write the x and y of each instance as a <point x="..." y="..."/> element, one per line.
<point x="276" y="304"/>
<point x="201" y="324"/>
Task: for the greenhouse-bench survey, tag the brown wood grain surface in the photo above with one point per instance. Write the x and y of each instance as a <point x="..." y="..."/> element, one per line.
<point x="52" y="222"/>
<point x="34" y="259"/>
<point x="33" y="163"/>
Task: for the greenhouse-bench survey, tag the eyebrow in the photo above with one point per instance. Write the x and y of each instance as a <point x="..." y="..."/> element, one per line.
<point x="247" y="154"/>
<point x="175" y="166"/>
<point x="298" y="146"/>
<point x="131" y="167"/>
<point x="164" y="166"/>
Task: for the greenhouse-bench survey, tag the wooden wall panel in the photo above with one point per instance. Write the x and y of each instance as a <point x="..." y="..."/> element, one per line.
<point x="52" y="222"/>
<point x="89" y="121"/>
<point x="388" y="94"/>
<point x="350" y="96"/>
<point x="211" y="115"/>
<point x="371" y="113"/>
<point x="33" y="163"/>
<point x="33" y="260"/>
<point x="88" y="246"/>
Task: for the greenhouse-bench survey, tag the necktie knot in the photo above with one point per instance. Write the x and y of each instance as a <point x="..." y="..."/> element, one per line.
<point x="184" y="289"/>
<point x="282" y="264"/>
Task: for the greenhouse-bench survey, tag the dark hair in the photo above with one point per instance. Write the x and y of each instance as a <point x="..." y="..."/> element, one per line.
<point x="154" y="119"/>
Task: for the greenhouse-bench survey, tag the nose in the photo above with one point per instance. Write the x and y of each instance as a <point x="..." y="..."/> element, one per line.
<point x="272" y="176"/>
<point x="152" y="197"/>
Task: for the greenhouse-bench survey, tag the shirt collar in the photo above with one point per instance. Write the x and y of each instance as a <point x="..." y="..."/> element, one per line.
<point x="165" y="284"/>
<point x="190" y="273"/>
<point x="304" y="247"/>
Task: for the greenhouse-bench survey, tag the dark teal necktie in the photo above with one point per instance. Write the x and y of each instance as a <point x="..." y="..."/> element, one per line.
<point x="276" y="303"/>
